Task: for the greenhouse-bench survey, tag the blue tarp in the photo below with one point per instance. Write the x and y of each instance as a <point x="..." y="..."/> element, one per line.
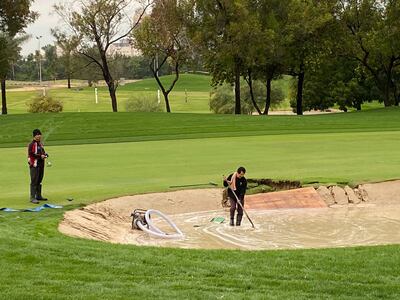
<point x="35" y="209"/>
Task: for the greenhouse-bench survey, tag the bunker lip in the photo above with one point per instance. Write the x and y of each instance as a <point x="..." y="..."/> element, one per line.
<point x="374" y="220"/>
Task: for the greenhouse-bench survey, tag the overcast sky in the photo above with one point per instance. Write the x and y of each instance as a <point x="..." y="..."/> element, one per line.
<point x="47" y="20"/>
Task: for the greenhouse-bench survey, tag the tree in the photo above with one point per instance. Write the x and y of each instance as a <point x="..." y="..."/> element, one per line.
<point x="14" y="17"/>
<point x="267" y="49"/>
<point x="50" y="62"/>
<point x="371" y="36"/>
<point x="308" y="27"/>
<point x="162" y="37"/>
<point x="99" y="24"/>
<point x="25" y="68"/>
<point x="222" y="98"/>
<point x="338" y="80"/>
<point x="220" y="29"/>
<point x="68" y="46"/>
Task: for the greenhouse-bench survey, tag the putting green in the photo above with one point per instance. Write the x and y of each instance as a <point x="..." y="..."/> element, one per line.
<point x="90" y="173"/>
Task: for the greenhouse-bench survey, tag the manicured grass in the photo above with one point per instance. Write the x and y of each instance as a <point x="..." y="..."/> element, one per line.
<point x="84" y="100"/>
<point x="191" y="94"/>
<point x="81" y="128"/>
<point x="186" y="82"/>
<point x="93" y="160"/>
<point x="107" y="170"/>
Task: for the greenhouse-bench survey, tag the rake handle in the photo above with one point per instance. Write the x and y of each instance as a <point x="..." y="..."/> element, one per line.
<point x="240" y="203"/>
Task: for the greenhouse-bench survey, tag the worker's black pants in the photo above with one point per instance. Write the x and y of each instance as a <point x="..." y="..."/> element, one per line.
<point x="236" y="206"/>
<point x="37" y="174"/>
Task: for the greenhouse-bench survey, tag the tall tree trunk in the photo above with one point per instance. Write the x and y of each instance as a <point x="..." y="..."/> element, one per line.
<point x="250" y="83"/>
<point x="110" y="81"/>
<point x="299" y="97"/>
<point x="395" y="95"/>
<point x="112" y="90"/>
<point x="113" y="95"/>
<point x="238" y="109"/>
<point x="69" y="80"/>
<point x="268" y="98"/>
<point x="388" y="84"/>
<point x="167" y="107"/>
<point x="386" y="100"/>
<point x="161" y="86"/>
<point x="3" y="97"/>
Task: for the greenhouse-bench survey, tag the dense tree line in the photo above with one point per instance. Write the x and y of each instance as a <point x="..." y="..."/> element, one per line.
<point x="75" y="66"/>
<point x="338" y="52"/>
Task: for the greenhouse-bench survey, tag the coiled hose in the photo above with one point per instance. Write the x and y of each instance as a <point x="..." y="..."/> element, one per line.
<point x="154" y="230"/>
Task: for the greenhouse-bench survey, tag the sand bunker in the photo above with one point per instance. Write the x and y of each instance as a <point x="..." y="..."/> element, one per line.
<point x="301" y="218"/>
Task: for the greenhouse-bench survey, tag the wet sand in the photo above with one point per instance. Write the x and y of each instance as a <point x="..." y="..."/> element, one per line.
<point x="374" y="223"/>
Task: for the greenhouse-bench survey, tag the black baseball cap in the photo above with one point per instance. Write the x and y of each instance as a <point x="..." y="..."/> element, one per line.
<point x="36" y="132"/>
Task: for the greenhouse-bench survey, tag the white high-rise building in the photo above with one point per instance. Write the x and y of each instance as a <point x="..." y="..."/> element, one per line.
<point x="123" y="47"/>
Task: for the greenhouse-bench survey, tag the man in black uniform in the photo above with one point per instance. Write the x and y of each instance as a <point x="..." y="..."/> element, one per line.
<point x="238" y="184"/>
<point x="36" y="158"/>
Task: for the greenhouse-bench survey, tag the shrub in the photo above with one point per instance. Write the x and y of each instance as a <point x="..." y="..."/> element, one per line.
<point x="260" y="92"/>
<point x="43" y="104"/>
<point x="143" y="103"/>
<point x="222" y="100"/>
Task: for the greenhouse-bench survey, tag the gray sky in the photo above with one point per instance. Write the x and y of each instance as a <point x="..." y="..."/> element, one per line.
<point x="47" y="20"/>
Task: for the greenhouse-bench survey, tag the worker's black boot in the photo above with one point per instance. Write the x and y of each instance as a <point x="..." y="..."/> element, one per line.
<point x="33" y="200"/>
<point x="33" y="194"/>
<point x="39" y="193"/>
<point x="232" y="222"/>
<point x="238" y="220"/>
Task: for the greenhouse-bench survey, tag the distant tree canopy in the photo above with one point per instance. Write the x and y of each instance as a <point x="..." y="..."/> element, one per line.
<point x="15" y="15"/>
<point x="98" y="24"/>
<point x="338" y="52"/>
<point x="163" y="38"/>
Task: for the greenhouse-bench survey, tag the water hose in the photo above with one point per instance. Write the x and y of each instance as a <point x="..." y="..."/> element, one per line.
<point x="148" y="226"/>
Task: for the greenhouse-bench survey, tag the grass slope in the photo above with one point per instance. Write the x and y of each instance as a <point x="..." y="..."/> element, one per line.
<point x="186" y="82"/>
<point x="190" y="94"/>
<point x="75" y="128"/>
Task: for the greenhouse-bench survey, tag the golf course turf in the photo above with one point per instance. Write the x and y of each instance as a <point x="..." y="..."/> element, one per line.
<point x="101" y="155"/>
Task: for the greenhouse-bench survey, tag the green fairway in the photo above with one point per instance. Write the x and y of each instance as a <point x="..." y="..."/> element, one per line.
<point x="100" y="155"/>
<point x="139" y="167"/>
<point x="190" y="94"/>
<point x="83" y="128"/>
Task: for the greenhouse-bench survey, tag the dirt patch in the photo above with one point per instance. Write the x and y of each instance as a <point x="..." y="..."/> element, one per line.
<point x="374" y="220"/>
<point x="266" y="185"/>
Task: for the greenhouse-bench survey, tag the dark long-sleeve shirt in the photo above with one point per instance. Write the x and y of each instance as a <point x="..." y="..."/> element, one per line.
<point x="241" y="186"/>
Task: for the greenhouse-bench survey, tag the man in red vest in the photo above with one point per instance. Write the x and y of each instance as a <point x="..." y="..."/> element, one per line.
<point x="36" y="159"/>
